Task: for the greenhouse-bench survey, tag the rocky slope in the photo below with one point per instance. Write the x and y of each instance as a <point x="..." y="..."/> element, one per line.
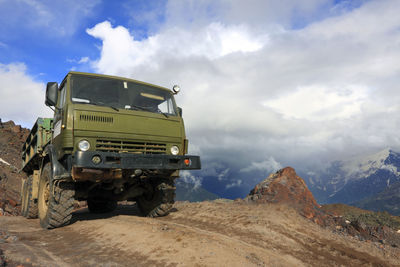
<point x="12" y="138"/>
<point x="366" y="225"/>
<point x="286" y="187"/>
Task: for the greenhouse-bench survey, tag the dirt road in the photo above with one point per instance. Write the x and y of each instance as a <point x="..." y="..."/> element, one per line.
<point x="196" y="234"/>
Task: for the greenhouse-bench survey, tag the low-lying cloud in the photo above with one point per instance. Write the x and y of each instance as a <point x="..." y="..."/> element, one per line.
<point x="189" y="178"/>
<point x="269" y="165"/>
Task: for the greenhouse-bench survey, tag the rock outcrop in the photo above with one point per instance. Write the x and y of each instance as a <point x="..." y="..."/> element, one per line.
<point x="286" y="187"/>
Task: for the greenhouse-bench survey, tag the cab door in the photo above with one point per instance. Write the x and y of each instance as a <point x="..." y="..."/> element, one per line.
<point x="58" y="121"/>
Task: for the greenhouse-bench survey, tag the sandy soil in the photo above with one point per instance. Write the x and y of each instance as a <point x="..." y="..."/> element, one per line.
<point x="195" y="234"/>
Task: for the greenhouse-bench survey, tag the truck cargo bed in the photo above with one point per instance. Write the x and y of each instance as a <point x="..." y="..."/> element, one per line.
<point x="38" y="138"/>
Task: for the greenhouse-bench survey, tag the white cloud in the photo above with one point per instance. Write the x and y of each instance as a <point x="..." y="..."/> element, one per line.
<point x="223" y="175"/>
<point x="318" y="103"/>
<point x="83" y="60"/>
<point x="187" y="177"/>
<point x="236" y="183"/>
<point x="21" y="98"/>
<point x="120" y="52"/>
<point x="301" y="96"/>
<point x="269" y="165"/>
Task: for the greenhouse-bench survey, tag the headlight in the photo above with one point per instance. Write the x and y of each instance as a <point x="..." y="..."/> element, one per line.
<point x="174" y="150"/>
<point x="83" y="145"/>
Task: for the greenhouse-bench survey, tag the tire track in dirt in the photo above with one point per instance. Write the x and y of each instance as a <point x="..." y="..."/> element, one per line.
<point x="64" y="247"/>
<point x="313" y="248"/>
<point x="200" y="246"/>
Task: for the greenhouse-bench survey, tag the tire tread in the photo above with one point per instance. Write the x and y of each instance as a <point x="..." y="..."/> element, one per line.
<point x="163" y="201"/>
<point x="61" y="202"/>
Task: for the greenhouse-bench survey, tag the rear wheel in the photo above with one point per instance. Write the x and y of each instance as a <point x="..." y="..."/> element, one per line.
<point x="24" y="198"/>
<point x="101" y="206"/>
<point x="56" y="200"/>
<point x="160" y="200"/>
<point x="29" y="207"/>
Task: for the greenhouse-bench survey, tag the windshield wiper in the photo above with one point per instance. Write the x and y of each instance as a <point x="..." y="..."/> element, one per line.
<point x="165" y="114"/>
<point x="140" y="108"/>
<point x="103" y="104"/>
<point x="148" y="109"/>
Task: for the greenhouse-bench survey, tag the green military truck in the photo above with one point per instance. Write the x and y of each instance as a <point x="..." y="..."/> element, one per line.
<point x="111" y="139"/>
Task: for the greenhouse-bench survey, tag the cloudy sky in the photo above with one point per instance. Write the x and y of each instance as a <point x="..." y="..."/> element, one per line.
<point x="265" y="83"/>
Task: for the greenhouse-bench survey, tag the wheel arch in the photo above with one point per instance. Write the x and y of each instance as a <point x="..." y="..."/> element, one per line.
<point x="58" y="170"/>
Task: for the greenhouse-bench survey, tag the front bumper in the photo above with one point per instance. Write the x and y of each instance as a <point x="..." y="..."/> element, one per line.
<point x="110" y="160"/>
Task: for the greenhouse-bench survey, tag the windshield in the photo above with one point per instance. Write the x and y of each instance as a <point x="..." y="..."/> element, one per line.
<point x="119" y="94"/>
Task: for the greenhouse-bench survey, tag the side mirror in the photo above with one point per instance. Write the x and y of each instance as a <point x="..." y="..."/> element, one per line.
<point x="51" y="94"/>
<point x="180" y="111"/>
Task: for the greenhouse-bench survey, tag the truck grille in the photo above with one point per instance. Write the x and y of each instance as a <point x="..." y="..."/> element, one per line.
<point x="95" y="118"/>
<point x="130" y="147"/>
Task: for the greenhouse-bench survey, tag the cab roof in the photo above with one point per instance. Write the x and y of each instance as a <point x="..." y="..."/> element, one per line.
<point x="115" y="77"/>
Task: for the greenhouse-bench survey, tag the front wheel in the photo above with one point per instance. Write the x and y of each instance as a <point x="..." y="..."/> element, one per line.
<point x="56" y="200"/>
<point x="158" y="201"/>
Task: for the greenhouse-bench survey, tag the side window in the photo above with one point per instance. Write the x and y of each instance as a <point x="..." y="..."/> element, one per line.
<point x="167" y="107"/>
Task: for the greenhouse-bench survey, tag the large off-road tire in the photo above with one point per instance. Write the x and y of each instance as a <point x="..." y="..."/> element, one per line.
<point x="56" y="200"/>
<point x="101" y="206"/>
<point x="32" y="207"/>
<point x="29" y="207"/>
<point x="160" y="200"/>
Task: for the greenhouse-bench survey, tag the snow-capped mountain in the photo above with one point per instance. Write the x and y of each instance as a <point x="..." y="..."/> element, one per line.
<point x="355" y="179"/>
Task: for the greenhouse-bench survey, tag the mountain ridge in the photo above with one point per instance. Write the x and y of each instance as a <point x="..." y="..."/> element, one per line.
<point x="387" y="200"/>
<point x="357" y="179"/>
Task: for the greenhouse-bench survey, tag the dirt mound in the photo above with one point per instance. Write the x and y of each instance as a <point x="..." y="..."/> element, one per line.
<point x="12" y="137"/>
<point x="286" y="187"/>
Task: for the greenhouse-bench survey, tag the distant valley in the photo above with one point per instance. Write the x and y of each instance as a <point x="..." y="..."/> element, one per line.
<point x="190" y="192"/>
<point x="367" y="181"/>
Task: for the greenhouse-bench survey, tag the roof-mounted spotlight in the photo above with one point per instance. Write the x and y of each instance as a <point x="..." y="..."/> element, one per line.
<point x="176" y="89"/>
